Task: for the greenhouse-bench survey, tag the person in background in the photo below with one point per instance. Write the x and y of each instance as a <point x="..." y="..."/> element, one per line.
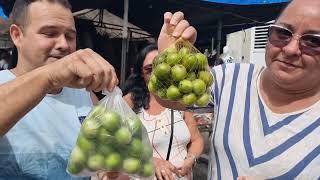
<point x="4" y="57"/>
<point x="187" y="143"/>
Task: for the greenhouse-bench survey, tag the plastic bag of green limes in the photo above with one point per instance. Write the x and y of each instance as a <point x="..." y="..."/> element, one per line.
<point x="181" y="73"/>
<point x="112" y="139"/>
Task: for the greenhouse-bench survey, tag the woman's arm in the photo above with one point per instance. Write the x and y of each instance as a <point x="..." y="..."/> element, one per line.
<point x="195" y="146"/>
<point x="196" y="140"/>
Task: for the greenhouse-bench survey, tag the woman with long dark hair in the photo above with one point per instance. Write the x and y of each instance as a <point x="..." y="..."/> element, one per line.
<point x="187" y="142"/>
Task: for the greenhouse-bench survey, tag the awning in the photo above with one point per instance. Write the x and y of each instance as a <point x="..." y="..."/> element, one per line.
<point x="246" y="2"/>
<point x="2" y="15"/>
<point x="108" y="23"/>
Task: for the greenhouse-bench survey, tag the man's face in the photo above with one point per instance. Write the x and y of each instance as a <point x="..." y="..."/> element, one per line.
<point x="289" y="64"/>
<point x="48" y="35"/>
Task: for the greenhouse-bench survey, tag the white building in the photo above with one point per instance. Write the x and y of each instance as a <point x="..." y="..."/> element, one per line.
<point x="248" y="46"/>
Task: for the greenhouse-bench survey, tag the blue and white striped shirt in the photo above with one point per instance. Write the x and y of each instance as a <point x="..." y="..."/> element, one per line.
<point x="250" y="140"/>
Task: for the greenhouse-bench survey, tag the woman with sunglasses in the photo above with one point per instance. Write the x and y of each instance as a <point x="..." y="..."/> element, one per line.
<point x="267" y="119"/>
<point x="187" y="143"/>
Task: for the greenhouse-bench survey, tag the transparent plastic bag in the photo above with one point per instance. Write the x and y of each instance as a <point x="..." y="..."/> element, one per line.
<point x="112" y="139"/>
<point x="181" y="73"/>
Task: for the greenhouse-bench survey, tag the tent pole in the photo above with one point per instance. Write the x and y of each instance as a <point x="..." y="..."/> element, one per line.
<point x="212" y="45"/>
<point x="219" y="35"/>
<point x="124" y="42"/>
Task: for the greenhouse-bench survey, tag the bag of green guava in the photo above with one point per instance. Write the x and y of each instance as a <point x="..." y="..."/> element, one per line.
<point x="112" y="139"/>
<point x="181" y="73"/>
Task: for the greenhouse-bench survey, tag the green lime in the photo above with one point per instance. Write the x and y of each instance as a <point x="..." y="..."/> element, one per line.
<point x="131" y="165"/>
<point x="123" y="136"/>
<point x="113" y="161"/>
<point x="95" y="162"/>
<point x="90" y="128"/>
<point x="136" y="148"/>
<point x="86" y="145"/>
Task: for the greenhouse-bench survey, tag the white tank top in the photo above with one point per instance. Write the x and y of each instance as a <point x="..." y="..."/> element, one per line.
<point x="159" y="130"/>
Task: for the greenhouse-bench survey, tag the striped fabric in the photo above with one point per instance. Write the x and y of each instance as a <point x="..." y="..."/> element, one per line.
<point x="250" y="140"/>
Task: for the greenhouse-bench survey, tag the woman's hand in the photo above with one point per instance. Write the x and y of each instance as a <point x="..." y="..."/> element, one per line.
<point x="174" y="27"/>
<point x="164" y="169"/>
<point x="186" y="167"/>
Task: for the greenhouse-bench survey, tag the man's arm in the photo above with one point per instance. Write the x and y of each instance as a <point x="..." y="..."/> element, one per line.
<point x="82" y="69"/>
<point x="19" y="96"/>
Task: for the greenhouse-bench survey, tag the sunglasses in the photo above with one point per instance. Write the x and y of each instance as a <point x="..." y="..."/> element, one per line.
<point x="280" y="37"/>
<point x="147" y="69"/>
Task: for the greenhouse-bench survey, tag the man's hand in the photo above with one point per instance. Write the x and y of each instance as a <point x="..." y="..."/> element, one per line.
<point x="164" y="169"/>
<point x="82" y="69"/>
<point x="174" y="27"/>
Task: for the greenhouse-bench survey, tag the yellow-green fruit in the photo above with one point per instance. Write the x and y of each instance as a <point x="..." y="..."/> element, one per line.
<point x="162" y="71"/>
<point x="74" y="168"/>
<point x="162" y="93"/>
<point x="190" y="62"/>
<point x="90" y="128"/>
<point x="173" y="93"/>
<point x="189" y="99"/>
<point x="105" y="137"/>
<point x="113" y="161"/>
<point x="111" y="121"/>
<point x="123" y="136"/>
<point x="148" y="170"/>
<point x="203" y="100"/>
<point x="171" y="50"/>
<point x="105" y="149"/>
<point x="97" y="111"/>
<point x="77" y="161"/>
<point x="136" y="148"/>
<point x="151" y="87"/>
<point x="184" y="51"/>
<point x="131" y="165"/>
<point x="202" y="60"/>
<point x="147" y="152"/>
<point x="191" y="76"/>
<point x="199" y="86"/>
<point x="159" y="59"/>
<point x="178" y="72"/>
<point x="206" y="77"/>
<point x="95" y="162"/>
<point x="85" y="144"/>
<point x="135" y="126"/>
<point x="185" y="86"/>
<point x="173" y="59"/>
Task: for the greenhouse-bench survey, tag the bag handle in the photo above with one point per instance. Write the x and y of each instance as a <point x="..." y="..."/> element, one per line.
<point x="171" y="135"/>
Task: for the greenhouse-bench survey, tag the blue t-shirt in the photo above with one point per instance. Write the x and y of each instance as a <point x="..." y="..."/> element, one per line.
<point x="38" y="146"/>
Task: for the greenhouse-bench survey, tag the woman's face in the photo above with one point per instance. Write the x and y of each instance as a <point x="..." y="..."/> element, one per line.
<point x="290" y="66"/>
<point x="147" y="65"/>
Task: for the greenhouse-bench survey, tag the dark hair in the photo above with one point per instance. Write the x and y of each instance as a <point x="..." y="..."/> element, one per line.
<point x="19" y="13"/>
<point x="136" y="85"/>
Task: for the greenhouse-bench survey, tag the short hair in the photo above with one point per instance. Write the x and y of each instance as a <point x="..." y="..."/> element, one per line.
<point x="19" y="13"/>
